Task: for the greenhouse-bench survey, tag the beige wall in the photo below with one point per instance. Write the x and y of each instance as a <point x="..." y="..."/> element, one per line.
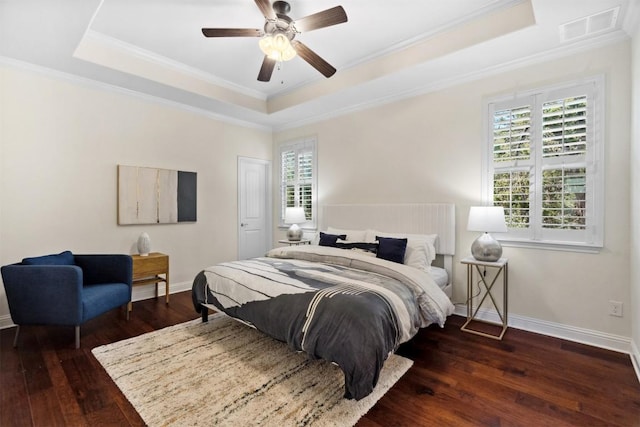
<point x="428" y="149"/>
<point x="60" y="145"/>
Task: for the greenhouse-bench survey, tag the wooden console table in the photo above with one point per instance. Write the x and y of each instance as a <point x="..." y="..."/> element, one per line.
<point x="148" y="269"/>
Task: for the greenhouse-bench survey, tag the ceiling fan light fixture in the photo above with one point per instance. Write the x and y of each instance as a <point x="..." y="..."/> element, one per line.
<point x="277" y="47"/>
<point x="278" y="34"/>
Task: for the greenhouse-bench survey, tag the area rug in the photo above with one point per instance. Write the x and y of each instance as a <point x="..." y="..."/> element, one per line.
<point x="226" y="373"/>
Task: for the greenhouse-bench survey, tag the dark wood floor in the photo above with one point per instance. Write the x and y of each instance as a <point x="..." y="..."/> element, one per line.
<point x="458" y="379"/>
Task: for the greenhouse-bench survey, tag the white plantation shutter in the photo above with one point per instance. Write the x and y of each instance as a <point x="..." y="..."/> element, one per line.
<point x="544" y="164"/>
<point x="564" y="198"/>
<point x="512" y="134"/>
<point x="298" y="178"/>
<point x="511" y="157"/>
<point x="564" y="127"/>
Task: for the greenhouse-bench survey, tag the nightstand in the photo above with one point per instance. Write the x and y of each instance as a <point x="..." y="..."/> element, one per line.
<point x="486" y="289"/>
<point x="148" y="269"/>
<point x="295" y="242"/>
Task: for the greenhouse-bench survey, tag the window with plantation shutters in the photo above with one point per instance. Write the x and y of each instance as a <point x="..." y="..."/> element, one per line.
<point x="544" y="165"/>
<point x="298" y="178"/>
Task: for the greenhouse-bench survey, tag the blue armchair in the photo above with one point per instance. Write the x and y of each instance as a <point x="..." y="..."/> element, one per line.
<point x="66" y="289"/>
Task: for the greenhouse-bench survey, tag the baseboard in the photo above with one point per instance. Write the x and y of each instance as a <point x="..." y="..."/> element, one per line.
<point x="571" y="333"/>
<point x="635" y="358"/>
<point x="5" y="321"/>
<point x="139" y="293"/>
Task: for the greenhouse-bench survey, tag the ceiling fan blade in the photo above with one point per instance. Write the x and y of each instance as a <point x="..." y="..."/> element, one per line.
<point x="267" y="69"/>
<point x="313" y="59"/>
<point x="232" y="32"/>
<point x="326" y="18"/>
<point x="266" y="9"/>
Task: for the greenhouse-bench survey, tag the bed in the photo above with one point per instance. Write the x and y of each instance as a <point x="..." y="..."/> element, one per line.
<point x="343" y="301"/>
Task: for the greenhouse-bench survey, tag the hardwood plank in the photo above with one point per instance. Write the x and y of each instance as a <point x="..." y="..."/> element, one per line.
<point x="46" y="409"/>
<point x="70" y="409"/>
<point x="458" y="379"/>
<point x="14" y="399"/>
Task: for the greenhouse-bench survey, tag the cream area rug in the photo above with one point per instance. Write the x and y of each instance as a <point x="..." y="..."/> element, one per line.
<point x="225" y="373"/>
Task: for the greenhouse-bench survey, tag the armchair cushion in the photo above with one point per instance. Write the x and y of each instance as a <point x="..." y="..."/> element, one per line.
<point x="98" y="299"/>
<point x="63" y="258"/>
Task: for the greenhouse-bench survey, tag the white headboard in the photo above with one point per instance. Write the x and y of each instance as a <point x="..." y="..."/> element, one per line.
<point x="429" y="218"/>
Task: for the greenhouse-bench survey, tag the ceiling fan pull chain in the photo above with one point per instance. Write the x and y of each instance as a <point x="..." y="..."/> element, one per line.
<point x="280" y="65"/>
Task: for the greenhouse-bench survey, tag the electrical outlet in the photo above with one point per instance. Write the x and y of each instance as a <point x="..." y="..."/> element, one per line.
<point x="615" y="308"/>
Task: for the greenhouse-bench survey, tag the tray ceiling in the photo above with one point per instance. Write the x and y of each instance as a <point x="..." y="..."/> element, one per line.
<point x="385" y="51"/>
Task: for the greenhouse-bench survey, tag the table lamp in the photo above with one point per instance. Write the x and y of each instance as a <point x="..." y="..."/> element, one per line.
<point x="294" y="216"/>
<point x="488" y="219"/>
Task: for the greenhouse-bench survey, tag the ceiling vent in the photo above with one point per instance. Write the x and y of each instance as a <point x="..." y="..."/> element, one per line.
<point x="589" y="25"/>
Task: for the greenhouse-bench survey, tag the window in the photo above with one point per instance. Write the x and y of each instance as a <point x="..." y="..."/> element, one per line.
<point x="543" y="164"/>
<point x="298" y="178"/>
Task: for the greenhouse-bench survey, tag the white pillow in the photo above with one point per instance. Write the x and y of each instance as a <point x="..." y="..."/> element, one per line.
<point x="313" y="236"/>
<point x="421" y="249"/>
<point x="352" y="235"/>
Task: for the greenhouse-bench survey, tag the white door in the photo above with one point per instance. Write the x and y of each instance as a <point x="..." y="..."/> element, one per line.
<point x="254" y="207"/>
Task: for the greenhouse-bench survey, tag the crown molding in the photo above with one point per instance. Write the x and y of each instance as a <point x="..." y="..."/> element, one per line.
<point x="420" y="38"/>
<point x="561" y="52"/>
<point x="94" y="84"/>
<point x="164" y="62"/>
<point x="558" y="53"/>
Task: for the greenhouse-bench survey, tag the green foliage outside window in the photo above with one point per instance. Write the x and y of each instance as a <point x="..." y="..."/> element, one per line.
<point x="511" y="191"/>
<point x="564" y="198"/>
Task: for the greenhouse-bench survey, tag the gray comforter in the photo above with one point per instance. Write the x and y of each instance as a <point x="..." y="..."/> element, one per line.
<point x="334" y="304"/>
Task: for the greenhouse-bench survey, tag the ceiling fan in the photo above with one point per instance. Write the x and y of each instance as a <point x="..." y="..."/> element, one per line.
<point x="278" y="35"/>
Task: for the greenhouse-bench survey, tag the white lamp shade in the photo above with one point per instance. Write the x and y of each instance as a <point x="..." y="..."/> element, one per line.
<point x="488" y="219"/>
<point x="294" y="216"/>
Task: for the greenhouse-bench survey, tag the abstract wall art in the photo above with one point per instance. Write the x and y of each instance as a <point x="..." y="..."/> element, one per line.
<point x="156" y="196"/>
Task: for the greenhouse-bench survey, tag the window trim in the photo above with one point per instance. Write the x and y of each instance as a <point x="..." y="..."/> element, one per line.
<point x="298" y="145"/>
<point x="595" y="158"/>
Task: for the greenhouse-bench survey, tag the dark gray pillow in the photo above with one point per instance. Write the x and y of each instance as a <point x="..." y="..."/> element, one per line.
<point x="391" y="249"/>
<point x="330" y="239"/>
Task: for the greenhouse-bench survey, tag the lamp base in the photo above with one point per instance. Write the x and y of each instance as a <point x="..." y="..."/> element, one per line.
<point x="294" y="233"/>
<point x="486" y="248"/>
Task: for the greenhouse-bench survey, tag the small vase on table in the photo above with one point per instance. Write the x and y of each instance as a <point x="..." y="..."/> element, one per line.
<point x="144" y="244"/>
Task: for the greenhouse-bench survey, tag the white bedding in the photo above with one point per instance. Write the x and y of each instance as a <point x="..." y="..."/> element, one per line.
<point x="440" y="276"/>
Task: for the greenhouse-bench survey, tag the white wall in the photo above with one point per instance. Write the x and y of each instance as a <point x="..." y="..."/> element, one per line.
<point x="428" y="149"/>
<point x="635" y="200"/>
<point x="60" y="144"/>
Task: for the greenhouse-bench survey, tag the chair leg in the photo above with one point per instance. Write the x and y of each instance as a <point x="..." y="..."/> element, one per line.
<point x="15" y="338"/>
<point x="77" y="336"/>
